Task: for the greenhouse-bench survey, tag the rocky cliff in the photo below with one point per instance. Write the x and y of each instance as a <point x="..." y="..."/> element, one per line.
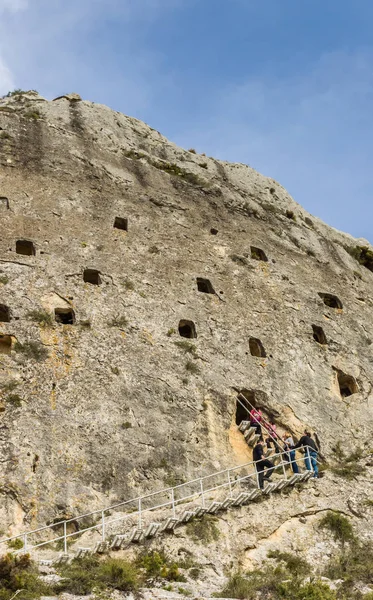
<point x="142" y="286"/>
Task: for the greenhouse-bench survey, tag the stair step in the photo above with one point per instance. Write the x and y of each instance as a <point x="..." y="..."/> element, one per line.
<point x="269" y="488"/>
<point x="279" y="485"/>
<point x="83" y="552"/>
<point x="249" y="433"/>
<point x="214" y="507"/>
<point x="254" y="494"/>
<point x="63" y="559"/>
<point x="241" y="498"/>
<point x="295" y="478"/>
<point x="200" y="511"/>
<point x="170" y="524"/>
<point x="244" y="425"/>
<point x="152" y="530"/>
<point x="252" y="441"/>
<point x="282" y="484"/>
<point x="137" y="535"/>
<point x="227" y="503"/>
<point x="117" y="542"/>
<point x="101" y="547"/>
<point x="187" y="516"/>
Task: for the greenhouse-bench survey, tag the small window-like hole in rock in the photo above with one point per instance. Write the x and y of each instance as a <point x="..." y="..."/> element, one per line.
<point x="65" y="316"/>
<point x="256" y="348"/>
<point x="319" y="335"/>
<point x="92" y="276"/>
<point x="214" y="231"/>
<point x="5" y="344"/>
<point x="205" y="286"/>
<point x="4" y="313"/>
<point x="121" y="223"/>
<point x="25" y="247"/>
<point x="347" y="384"/>
<point x="258" y="254"/>
<point x="187" y="329"/>
<point x="331" y="300"/>
<point x="4" y="202"/>
<point x="35" y="463"/>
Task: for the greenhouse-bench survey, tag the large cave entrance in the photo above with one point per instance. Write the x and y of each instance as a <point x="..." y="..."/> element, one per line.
<point x="244" y="403"/>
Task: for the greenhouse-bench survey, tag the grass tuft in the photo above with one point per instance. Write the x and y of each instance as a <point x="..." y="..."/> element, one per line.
<point x="33" y="350"/>
<point x="339" y="525"/>
<point x="40" y="316"/>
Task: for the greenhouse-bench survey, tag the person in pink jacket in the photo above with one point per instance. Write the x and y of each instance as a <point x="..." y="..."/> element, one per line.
<point x="255" y="419"/>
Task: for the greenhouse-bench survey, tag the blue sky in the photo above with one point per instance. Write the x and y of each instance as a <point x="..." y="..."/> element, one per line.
<point x="285" y="86"/>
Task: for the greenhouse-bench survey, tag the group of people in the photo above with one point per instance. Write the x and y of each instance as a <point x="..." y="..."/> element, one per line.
<point x="263" y="465"/>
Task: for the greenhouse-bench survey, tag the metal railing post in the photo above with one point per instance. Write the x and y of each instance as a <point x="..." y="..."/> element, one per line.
<point x="202" y="494"/>
<point x="103" y="525"/>
<point x="230" y="484"/>
<point x="25" y="543"/>
<point x="64" y="537"/>
<point x="309" y="459"/>
<point x="257" y="478"/>
<point x="173" y="502"/>
<point x="283" y="465"/>
<point x="140" y="519"/>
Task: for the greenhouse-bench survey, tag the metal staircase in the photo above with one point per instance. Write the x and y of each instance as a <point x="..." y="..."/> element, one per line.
<point x="160" y="512"/>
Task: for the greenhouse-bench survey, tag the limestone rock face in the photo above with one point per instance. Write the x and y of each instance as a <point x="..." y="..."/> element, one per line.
<point x="136" y="282"/>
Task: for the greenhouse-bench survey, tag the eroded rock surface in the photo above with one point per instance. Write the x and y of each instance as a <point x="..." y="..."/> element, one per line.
<point x="111" y="239"/>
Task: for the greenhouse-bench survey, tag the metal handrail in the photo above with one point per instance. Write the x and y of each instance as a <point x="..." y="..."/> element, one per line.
<point x="141" y="511"/>
<point x="262" y="423"/>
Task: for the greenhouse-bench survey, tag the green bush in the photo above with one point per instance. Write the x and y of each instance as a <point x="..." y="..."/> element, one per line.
<point x="274" y="584"/>
<point x="188" y="347"/>
<point x="363" y="255"/>
<point x="16" y="544"/>
<point x="32" y="115"/>
<point x="118" y="321"/>
<point x="19" y="573"/>
<point x="83" y="576"/>
<point x="347" y="465"/>
<point x="353" y="565"/>
<point x="10" y="386"/>
<point x="118" y="574"/>
<point x="157" y="564"/>
<point x="308" y="591"/>
<point x="40" y="316"/>
<point x="339" y="525"/>
<point x="15" y="401"/>
<point x="192" y="367"/>
<point x="294" y="564"/>
<point x="16" y="92"/>
<point x="177" y="171"/>
<point x="4" y="279"/>
<point x="203" y="530"/>
<point x="33" y="350"/>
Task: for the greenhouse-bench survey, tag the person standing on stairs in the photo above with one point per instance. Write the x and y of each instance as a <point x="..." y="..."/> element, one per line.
<point x="264" y="467"/>
<point x="289" y="446"/>
<point x="272" y="437"/>
<point x="255" y="419"/>
<point x="310" y="452"/>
